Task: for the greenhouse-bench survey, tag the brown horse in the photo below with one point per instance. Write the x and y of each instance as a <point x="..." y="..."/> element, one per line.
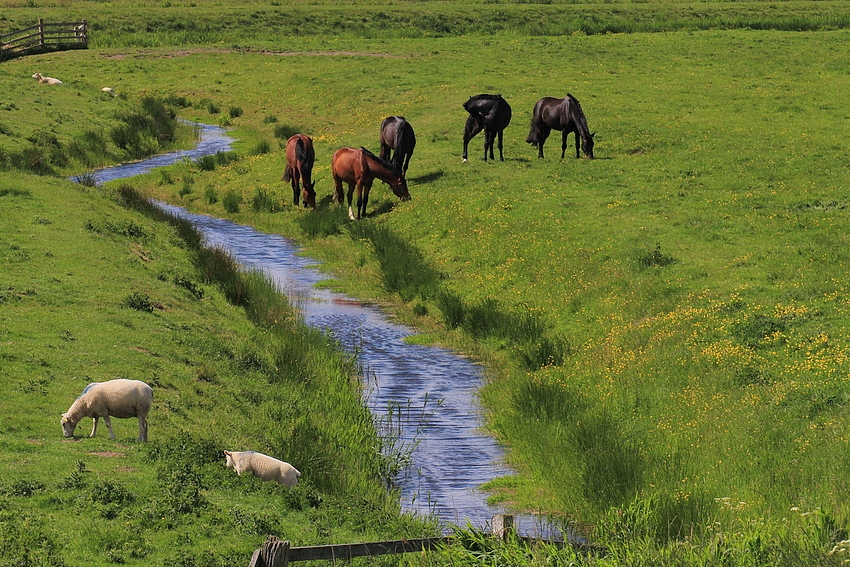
<point x="397" y="135"/>
<point x="564" y="114"/>
<point x="299" y="168"/>
<point x="359" y="168"/>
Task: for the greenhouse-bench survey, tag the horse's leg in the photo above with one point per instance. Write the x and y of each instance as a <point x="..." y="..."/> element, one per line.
<point x="351" y="187"/>
<point x="501" y="157"/>
<point x="361" y="212"/>
<point x="489" y="139"/>
<point x="385" y="151"/>
<point x="578" y="144"/>
<point x="296" y="192"/>
<point x="359" y="201"/>
<point x="338" y="189"/>
<point x="564" y="135"/>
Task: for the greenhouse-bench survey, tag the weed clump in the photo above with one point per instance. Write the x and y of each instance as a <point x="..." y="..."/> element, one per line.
<point x="139" y="302"/>
<point x="231" y="202"/>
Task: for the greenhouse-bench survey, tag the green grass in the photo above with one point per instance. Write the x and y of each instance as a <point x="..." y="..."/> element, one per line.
<point x="665" y="328"/>
<point x="93" y="291"/>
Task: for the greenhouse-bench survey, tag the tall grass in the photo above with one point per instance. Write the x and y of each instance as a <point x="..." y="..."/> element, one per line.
<point x="403" y="269"/>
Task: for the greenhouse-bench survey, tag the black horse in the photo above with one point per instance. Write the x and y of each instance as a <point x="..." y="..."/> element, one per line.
<point x="397" y="135"/>
<point x="490" y="113"/>
<point x="564" y="114"/>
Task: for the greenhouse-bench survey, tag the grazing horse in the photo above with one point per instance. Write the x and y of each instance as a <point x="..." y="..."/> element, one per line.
<point x="490" y="113"/>
<point x="564" y="114"/>
<point x="397" y="135"/>
<point x="299" y="168"/>
<point x="359" y="168"/>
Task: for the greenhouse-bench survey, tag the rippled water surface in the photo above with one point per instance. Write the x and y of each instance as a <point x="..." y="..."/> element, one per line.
<point x="432" y="391"/>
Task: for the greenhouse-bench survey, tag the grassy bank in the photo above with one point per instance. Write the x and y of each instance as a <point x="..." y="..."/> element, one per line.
<point x="666" y="326"/>
<point x="92" y="291"/>
<point x="243" y="24"/>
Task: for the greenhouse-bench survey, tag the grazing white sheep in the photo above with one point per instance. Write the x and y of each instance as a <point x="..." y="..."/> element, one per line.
<point x="49" y="80"/>
<point x="115" y="398"/>
<point x="108" y="90"/>
<point x="262" y="466"/>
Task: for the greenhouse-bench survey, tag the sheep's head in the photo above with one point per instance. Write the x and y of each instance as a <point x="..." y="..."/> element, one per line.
<point x="68" y="426"/>
<point x="229" y="459"/>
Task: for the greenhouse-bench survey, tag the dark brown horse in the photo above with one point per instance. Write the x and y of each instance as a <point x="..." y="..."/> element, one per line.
<point x="299" y="168"/>
<point x="490" y="113"/>
<point x="397" y="135"/>
<point x="359" y="168"/>
<point x="564" y="114"/>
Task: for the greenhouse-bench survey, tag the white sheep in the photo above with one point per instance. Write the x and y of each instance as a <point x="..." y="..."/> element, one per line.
<point x="49" y="80"/>
<point x="109" y="90"/>
<point x="262" y="466"/>
<point x="115" y="398"/>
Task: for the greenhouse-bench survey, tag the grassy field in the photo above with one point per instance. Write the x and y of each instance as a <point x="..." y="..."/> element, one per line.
<point x="665" y="327"/>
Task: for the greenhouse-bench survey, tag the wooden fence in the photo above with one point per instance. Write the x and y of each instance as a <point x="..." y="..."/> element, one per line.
<point x="278" y="553"/>
<point x="44" y="37"/>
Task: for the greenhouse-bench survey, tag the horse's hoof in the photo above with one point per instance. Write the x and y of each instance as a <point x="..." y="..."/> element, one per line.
<point x="464" y="160"/>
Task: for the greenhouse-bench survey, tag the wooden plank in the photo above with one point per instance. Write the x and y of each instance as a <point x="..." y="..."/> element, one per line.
<point x="351" y="550"/>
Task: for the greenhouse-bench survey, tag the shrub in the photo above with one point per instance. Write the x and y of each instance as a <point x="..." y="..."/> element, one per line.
<point x="223" y="158"/>
<point x="235" y="111"/>
<point x="452" y="308"/>
<point x="543" y="352"/>
<point x="88" y="179"/>
<point x="174" y="100"/>
<point x="210" y="195"/>
<point x="262" y="147"/>
<point x="24" y="488"/>
<point x="656" y="258"/>
<point x="206" y="163"/>
<point x="264" y="202"/>
<point x="231" y="201"/>
<point x="284" y="132"/>
<point x="139" y="302"/>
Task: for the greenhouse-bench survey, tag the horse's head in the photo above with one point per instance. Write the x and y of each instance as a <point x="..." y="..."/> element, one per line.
<point x="308" y="193"/>
<point x="399" y="187"/>
<point x="587" y="145"/>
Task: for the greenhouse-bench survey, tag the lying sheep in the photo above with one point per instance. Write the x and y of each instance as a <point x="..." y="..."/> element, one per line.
<point x="115" y="398"/>
<point x="49" y="80"/>
<point x="263" y="467"/>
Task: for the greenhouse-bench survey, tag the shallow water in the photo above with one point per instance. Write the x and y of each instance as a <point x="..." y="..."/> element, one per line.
<point x="432" y="391"/>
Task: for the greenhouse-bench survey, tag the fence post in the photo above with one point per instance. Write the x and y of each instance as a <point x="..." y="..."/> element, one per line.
<point x="273" y="553"/>
<point x="41" y="31"/>
<point x="502" y="525"/>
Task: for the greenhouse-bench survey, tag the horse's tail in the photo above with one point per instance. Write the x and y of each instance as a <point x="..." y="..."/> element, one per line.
<point x="534" y="134"/>
<point x="400" y="149"/>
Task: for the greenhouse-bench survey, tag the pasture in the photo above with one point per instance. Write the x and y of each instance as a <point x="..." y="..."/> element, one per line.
<point x="680" y="392"/>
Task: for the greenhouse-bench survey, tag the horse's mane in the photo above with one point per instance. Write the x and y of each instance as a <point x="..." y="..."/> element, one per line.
<point x="581" y="119"/>
<point x="383" y="162"/>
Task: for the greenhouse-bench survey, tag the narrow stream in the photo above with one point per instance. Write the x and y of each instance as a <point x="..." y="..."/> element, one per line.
<point x="430" y="391"/>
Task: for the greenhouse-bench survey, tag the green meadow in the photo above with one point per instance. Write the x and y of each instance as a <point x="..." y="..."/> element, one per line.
<point x="665" y="329"/>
